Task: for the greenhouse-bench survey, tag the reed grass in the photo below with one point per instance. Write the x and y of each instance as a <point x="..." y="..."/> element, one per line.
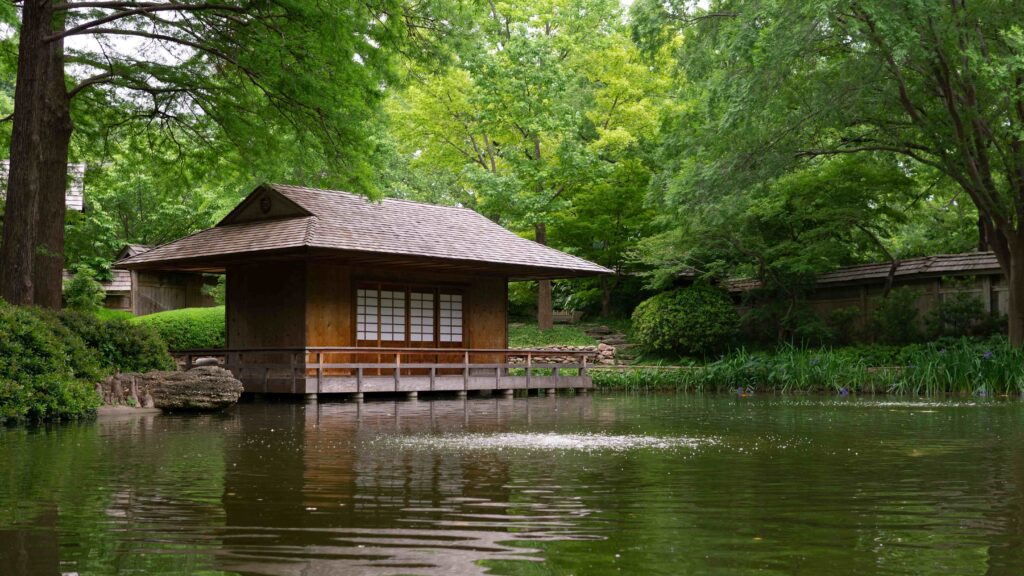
<point x="957" y="367"/>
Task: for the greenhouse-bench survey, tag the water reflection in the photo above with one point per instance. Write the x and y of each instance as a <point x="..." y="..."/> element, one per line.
<point x="342" y="503"/>
<point x="787" y="486"/>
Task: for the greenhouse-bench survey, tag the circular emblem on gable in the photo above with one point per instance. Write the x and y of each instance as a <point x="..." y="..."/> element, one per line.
<point x="265" y="203"/>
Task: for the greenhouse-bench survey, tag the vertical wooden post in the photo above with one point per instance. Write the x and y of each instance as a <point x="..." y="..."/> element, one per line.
<point x="319" y="371"/>
<point x="188" y="361"/>
<point x="293" y="363"/>
<point x="433" y="373"/>
<point x="583" y="368"/>
<point x="529" y="369"/>
<point x="465" y="370"/>
<point x="359" y="379"/>
<point x="398" y="368"/>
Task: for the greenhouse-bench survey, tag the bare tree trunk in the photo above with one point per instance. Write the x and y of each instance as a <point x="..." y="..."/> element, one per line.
<point x="33" y="236"/>
<point x="544" y="312"/>
<point x="606" y="294"/>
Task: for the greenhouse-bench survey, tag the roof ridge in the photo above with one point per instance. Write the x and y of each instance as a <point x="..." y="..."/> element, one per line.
<point x="357" y="196"/>
<point x="310" y="229"/>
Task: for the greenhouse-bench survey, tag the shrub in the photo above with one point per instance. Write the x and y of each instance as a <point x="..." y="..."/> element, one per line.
<point x="188" y="328"/>
<point x="955" y="315"/>
<point x="895" y="317"/>
<point x="83" y="291"/>
<point x="119" y="344"/>
<point x="699" y="320"/>
<point x="843" y="322"/>
<point x="50" y="361"/>
<point x="46" y="371"/>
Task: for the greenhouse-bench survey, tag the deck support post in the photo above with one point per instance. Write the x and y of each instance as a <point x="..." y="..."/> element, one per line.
<point x="310" y="398"/>
<point x="461" y="394"/>
<point x="465" y="370"/>
<point x="508" y="393"/>
<point x="358" y="396"/>
<point x="412" y="395"/>
<point x="551" y="391"/>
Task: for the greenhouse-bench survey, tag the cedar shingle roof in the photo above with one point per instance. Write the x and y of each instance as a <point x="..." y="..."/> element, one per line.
<point x="338" y="221"/>
<point x="966" y="264"/>
<point x="120" y="281"/>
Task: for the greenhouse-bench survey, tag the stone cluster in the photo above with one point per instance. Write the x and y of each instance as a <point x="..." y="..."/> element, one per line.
<point x="203" y="388"/>
<point x="600" y="354"/>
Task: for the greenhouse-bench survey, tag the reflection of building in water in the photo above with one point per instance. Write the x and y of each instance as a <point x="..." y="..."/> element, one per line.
<point x="340" y="499"/>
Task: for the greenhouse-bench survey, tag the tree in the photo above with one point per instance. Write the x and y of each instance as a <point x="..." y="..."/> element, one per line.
<point x="266" y="75"/>
<point x="548" y="105"/>
<point x="781" y="82"/>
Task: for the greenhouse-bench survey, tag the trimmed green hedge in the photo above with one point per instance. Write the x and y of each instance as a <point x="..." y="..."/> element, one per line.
<point x="188" y="328"/>
<point x="694" y="321"/>
<point x="50" y="361"/>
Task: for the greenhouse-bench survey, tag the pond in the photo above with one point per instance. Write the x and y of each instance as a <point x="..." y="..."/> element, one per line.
<point x="586" y="485"/>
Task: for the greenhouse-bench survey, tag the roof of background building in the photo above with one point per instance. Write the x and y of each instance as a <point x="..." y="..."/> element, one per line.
<point x="74" y="197"/>
<point x="966" y="264"/>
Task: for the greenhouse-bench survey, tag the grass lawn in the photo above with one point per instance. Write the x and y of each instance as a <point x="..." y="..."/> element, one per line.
<point x="528" y="336"/>
<point x="108" y="314"/>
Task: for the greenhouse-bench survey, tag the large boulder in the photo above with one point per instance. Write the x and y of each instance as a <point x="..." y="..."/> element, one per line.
<point x="203" y="388"/>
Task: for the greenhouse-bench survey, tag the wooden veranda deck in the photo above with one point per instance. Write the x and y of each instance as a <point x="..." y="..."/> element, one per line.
<point x="358" y="371"/>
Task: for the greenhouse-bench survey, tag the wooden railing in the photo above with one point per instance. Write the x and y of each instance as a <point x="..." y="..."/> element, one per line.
<point x="427" y="366"/>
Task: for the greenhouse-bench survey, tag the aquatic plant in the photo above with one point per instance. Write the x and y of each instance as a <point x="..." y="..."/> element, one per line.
<point x="958" y="367"/>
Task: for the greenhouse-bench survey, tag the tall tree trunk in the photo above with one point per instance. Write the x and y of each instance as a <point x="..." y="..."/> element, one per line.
<point x="1014" y="271"/>
<point x="606" y="294"/>
<point x="33" y="238"/>
<point x="544" y="312"/>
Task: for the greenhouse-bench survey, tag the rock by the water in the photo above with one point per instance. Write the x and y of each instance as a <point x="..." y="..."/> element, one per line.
<point x="205" y="361"/>
<point x="202" y="388"/>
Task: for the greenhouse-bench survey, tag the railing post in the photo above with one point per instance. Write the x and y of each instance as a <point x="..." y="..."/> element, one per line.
<point x="433" y="373"/>
<point x="583" y="368"/>
<point x="188" y="362"/>
<point x="359" y="379"/>
<point x="529" y="369"/>
<point x="465" y="370"/>
<point x="398" y="369"/>
<point x="293" y="367"/>
<point x="319" y="371"/>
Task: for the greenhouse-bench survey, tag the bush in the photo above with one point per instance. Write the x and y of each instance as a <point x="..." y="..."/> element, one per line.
<point x="83" y="291"/>
<point x="699" y="320"/>
<point x="50" y="361"/>
<point x="188" y="328"/>
<point x="46" y="372"/>
<point x="895" y="317"/>
<point x="959" y="314"/>
<point x="120" y="345"/>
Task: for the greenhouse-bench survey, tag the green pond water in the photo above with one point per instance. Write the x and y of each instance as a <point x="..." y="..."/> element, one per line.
<point x="585" y="485"/>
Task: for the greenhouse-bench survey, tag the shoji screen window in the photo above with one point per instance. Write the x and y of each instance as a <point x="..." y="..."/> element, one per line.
<point x="392" y="316"/>
<point x="367" y="314"/>
<point x="421" y="316"/>
<point x="450" y="317"/>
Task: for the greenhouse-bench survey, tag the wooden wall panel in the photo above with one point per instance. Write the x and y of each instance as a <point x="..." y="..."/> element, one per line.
<point x="266" y="305"/>
<point x="160" y="291"/>
<point x="329" y="304"/>
<point x="488" y="327"/>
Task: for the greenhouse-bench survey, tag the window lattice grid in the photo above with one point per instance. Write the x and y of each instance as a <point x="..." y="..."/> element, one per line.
<point x="450" y="317"/>
<point x="392" y="316"/>
<point x="366" y="314"/>
<point x="421" y="316"/>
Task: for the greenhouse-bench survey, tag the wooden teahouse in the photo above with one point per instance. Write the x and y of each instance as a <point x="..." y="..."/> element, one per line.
<point x="328" y="292"/>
